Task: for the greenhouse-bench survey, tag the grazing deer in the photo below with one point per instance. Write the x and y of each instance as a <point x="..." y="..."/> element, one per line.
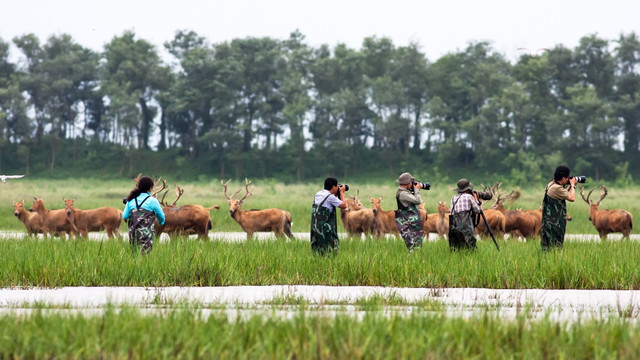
<point x="608" y="221"/>
<point x="54" y="222"/>
<point x="31" y="220"/>
<point x="357" y="219"/>
<point x="384" y="221"/>
<point x="276" y="220"/>
<point x="185" y="219"/>
<point x="104" y="218"/>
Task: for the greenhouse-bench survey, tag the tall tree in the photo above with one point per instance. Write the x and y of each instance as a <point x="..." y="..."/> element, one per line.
<point x="133" y="74"/>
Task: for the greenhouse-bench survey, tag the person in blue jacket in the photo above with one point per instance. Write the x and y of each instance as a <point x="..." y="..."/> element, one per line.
<point x="141" y="209"/>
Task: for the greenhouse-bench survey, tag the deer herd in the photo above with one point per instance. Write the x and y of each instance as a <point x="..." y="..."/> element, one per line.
<point x="357" y="219"/>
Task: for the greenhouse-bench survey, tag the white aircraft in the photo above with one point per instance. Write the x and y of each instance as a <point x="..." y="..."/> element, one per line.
<point x="5" y="177"/>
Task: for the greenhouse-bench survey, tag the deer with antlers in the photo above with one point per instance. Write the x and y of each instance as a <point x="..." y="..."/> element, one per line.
<point x="251" y="221"/>
<point x="517" y="222"/>
<point x="185" y="219"/>
<point x="607" y="221"/>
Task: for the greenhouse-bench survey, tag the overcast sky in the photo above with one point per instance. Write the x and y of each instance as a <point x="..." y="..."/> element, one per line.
<point x="439" y="27"/>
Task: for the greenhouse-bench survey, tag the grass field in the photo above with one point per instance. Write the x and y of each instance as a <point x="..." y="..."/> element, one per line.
<point x="296" y="199"/>
<point x="184" y="333"/>
<point x="188" y="262"/>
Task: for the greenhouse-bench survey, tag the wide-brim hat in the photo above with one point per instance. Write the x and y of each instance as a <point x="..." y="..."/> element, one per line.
<point x="405" y="178"/>
<point x="464" y="185"/>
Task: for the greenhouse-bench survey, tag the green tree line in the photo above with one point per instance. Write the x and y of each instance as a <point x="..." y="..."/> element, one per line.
<point x="269" y="107"/>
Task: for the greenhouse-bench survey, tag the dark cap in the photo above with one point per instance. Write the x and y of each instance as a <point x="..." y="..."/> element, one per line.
<point x="464" y="185"/>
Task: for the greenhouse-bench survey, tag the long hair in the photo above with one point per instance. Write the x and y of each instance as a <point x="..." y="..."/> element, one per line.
<point x="145" y="184"/>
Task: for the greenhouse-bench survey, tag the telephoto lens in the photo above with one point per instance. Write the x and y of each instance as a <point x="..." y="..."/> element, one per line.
<point x="580" y="179"/>
<point x="423" y="185"/>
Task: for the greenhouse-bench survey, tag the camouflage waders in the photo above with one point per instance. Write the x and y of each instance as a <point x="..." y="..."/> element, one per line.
<point x="141" y="228"/>
<point x="461" y="234"/>
<point x="409" y="223"/>
<point x="324" y="229"/>
<point x="554" y="222"/>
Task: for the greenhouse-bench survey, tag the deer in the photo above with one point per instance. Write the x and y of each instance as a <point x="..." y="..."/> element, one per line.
<point x="251" y="221"/>
<point x="437" y="223"/>
<point x="357" y="219"/>
<point x="185" y="219"/>
<point x="607" y="221"/>
<point x="32" y="221"/>
<point x="54" y="222"/>
<point x="103" y="218"/>
<point x="517" y="222"/>
<point x="384" y="221"/>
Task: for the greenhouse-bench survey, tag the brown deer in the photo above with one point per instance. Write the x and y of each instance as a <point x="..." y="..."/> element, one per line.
<point x="437" y="223"/>
<point x="276" y="220"/>
<point x="356" y="218"/>
<point x="31" y="220"/>
<point x="185" y="219"/>
<point x="384" y="221"/>
<point x="54" y="222"/>
<point x="608" y="221"/>
<point x="517" y="222"/>
<point x="103" y="218"/>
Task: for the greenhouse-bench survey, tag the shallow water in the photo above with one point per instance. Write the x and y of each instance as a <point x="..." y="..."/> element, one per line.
<point x="247" y="300"/>
<point x="302" y="236"/>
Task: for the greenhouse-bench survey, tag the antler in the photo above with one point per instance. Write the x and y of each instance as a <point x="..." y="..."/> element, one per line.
<point x="500" y="197"/>
<point x="156" y="189"/>
<point x="589" y="194"/>
<point x="224" y="185"/>
<point x="247" y="192"/>
<point x="603" y="195"/>
<point x="179" y="192"/>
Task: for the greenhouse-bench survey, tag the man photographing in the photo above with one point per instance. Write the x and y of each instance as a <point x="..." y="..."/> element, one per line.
<point x="465" y="206"/>
<point x="324" y="229"/>
<point x="554" y="207"/>
<point x="408" y="218"/>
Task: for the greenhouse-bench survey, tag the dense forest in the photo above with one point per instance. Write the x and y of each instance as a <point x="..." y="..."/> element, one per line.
<point x="264" y="107"/>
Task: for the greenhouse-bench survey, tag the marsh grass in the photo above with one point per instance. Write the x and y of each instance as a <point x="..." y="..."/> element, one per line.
<point x="185" y="262"/>
<point x="184" y="333"/>
<point x="295" y="198"/>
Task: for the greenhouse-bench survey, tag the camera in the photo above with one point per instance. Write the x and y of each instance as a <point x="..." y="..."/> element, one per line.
<point x="424" y="185"/>
<point x="580" y="179"/>
<point x="484" y="195"/>
<point x="346" y="187"/>
<point x="124" y="201"/>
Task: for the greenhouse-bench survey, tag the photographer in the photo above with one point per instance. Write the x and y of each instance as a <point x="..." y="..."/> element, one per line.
<point x="465" y="206"/>
<point x="408" y="218"/>
<point x="324" y="230"/>
<point x="554" y="208"/>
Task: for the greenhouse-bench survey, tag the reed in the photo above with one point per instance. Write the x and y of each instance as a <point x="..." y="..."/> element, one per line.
<point x="186" y="333"/>
<point x="187" y="262"/>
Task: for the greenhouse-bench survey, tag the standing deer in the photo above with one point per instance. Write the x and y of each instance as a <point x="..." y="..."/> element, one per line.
<point x="384" y="221"/>
<point x="54" y="222"/>
<point x="357" y="219"/>
<point x="517" y="222"/>
<point x="276" y="220"/>
<point x="31" y="220"/>
<point x="104" y="218"/>
<point x="437" y="223"/>
<point x="185" y="219"/>
<point x="608" y="221"/>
